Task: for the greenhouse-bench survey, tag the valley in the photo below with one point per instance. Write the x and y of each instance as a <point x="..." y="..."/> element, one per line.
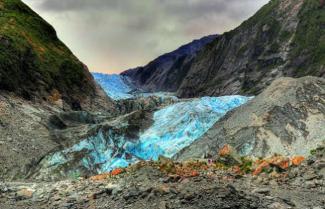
<point x="235" y="120"/>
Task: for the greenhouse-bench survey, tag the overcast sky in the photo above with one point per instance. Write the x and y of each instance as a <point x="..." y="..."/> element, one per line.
<point x="115" y="35"/>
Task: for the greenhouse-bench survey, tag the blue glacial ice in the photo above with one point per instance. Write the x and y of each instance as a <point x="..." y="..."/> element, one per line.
<point x="116" y="86"/>
<point x="119" y="87"/>
<point x="102" y="152"/>
<point x="174" y="128"/>
<point x="179" y="125"/>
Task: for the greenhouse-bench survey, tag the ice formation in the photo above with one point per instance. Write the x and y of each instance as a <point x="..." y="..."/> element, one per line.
<point x="115" y="86"/>
<point x="179" y="125"/>
<point x="119" y="87"/>
<point x="174" y="128"/>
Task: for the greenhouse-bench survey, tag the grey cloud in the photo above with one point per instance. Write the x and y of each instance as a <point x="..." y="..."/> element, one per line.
<point x="120" y="34"/>
<point x="181" y="8"/>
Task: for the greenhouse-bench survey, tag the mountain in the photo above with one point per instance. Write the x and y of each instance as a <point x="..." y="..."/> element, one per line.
<point x="284" y="38"/>
<point x="286" y="119"/>
<point x="65" y="144"/>
<point x="36" y="65"/>
<point x="167" y="71"/>
<point x="39" y="78"/>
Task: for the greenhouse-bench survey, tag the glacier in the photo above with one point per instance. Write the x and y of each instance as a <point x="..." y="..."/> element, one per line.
<point x="179" y="125"/>
<point x="116" y="86"/>
<point x="174" y="127"/>
<point x="119" y="87"/>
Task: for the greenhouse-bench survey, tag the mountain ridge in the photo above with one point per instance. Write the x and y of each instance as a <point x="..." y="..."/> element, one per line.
<point x="284" y="38"/>
<point x="166" y="72"/>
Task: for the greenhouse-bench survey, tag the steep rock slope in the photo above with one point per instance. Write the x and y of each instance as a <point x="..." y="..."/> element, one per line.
<point x="39" y="77"/>
<point x="36" y="65"/>
<point x="288" y="118"/>
<point x="284" y="38"/>
<point x="167" y="71"/>
<point x="24" y="135"/>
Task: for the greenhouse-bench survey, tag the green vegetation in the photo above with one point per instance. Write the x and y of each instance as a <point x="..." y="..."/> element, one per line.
<point x="75" y="175"/>
<point x="263" y="15"/>
<point x="308" y="47"/>
<point x="318" y="151"/>
<point x="309" y="42"/>
<point x="33" y="61"/>
<point x="285" y="35"/>
<point x="247" y="165"/>
<point x="242" y="50"/>
<point x="313" y="152"/>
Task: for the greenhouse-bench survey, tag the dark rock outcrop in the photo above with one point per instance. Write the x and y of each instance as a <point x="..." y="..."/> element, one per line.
<point x="167" y="72"/>
<point x="144" y="103"/>
<point x="284" y="38"/>
<point x="287" y="118"/>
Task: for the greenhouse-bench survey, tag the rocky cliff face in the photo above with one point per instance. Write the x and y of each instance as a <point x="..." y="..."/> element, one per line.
<point x="167" y="71"/>
<point x="287" y="118"/>
<point x="36" y="65"/>
<point x="284" y="38"/>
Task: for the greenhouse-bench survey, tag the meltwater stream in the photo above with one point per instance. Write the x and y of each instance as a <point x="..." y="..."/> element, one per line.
<point x="174" y="128"/>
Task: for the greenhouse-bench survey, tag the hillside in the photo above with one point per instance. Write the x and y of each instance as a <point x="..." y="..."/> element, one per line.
<point x="284" y="38"/>
<point x="39" y="78"/>
<point x="286" y="118"/>
<point x="36" y="65"/>
<point x="167" y="71"/>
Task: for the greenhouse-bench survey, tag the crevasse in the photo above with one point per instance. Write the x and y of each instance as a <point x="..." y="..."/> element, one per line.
<point x="174" y="128"/>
